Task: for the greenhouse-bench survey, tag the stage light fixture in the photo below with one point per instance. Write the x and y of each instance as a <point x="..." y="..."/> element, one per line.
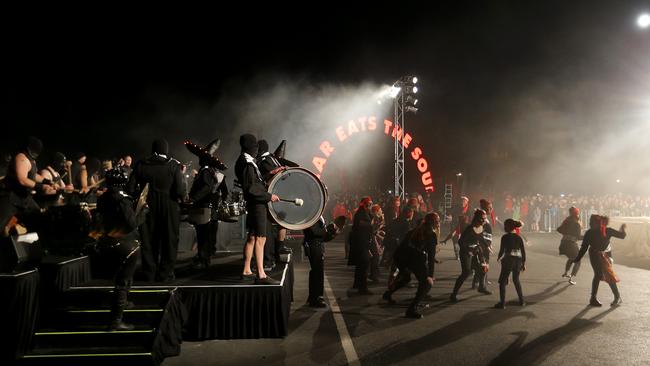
<point x="394" y="91"/>
<point x="414" y="80"/>
<point x="410" y="109"/>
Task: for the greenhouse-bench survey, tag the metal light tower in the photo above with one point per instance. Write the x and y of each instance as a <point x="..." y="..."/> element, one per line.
<point x="403" y="91"/>
<point x="399" y="146"/>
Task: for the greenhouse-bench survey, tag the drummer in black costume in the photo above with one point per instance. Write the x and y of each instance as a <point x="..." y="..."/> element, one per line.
<point x="209" y="187"/>
<point x="269" y="165"/>
<point x="118" y="246"/>
<point x="22" y="178"/>
<point x="256" y="196"/>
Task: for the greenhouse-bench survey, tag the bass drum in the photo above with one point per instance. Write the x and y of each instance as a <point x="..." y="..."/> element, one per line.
<point x="291" y="184"/>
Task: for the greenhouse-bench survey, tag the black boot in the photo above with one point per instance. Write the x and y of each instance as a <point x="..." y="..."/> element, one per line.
<point x="283" y="249"/>
<point x="388" y="297"/>
<point x="594" y="302"/>
<point x="117" y="310"/>
<point x="413" y="313"/>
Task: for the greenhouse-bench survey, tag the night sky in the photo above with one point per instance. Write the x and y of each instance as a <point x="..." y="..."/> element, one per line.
<point x="516" y="94"/>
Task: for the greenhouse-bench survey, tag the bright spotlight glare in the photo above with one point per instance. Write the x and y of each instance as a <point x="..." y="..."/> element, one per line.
<point x="415" y="89"/>
<point x="415" y="80"/>
<point x="394" y="90"/>
<point x="378" y="101"/>
<point x="644" y="20"/>
<point x="415" y="102"/>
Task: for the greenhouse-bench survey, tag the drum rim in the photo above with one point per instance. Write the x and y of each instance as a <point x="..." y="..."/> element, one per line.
<point x="309" y="223"/>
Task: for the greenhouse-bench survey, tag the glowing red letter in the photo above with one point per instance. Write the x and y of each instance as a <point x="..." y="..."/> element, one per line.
<point x="407" y="140"/>
<point x="426" y="178"/>
<point x="362" y="121"/>
<point x="415" y="154"/>
<point x="372" y="123"/>
<point x="319" y="163"/>
<point x="423" y="165"/>
<point x="340" y="134"/>
<point x="326" y="148"/>
<point x="387" y="125"/>
<point x="352" y="128"/>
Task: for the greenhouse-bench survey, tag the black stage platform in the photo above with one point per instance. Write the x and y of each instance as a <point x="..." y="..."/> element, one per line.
<point x="69" y="326"/>
<point x="220" y="306"/>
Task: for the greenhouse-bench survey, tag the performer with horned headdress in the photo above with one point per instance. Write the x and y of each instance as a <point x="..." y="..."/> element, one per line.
<point x="269" y="165"/>
<point x="208" y="189"/>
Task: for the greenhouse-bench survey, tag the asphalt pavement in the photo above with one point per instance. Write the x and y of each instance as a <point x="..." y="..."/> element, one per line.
<point x="555" y="328"/>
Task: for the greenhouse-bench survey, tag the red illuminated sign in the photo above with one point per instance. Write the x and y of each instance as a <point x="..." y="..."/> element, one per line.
<point x="368" y="124"/>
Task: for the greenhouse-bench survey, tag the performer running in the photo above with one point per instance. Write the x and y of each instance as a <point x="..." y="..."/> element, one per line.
<point x="512" y="255"/>
<point x="416" y="254"/>
<point x="571" y="230"/>
<point x="471" y="253"/>
<point x="314" y="244"/>
<point x="256" y="195"/>
<point x="596" y="240"/>
<point x="118" y="246"/>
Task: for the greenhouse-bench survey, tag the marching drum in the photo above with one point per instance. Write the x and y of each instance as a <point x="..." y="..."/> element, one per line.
<point x="307" y="193"/>
<point x="230" y="210"/>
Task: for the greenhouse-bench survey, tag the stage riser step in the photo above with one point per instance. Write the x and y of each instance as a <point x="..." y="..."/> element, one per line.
<point x="89" y="360"/>
<point x="102" y="298"/>
<point x="81" y="340"/>
<point x="64" y="320"/>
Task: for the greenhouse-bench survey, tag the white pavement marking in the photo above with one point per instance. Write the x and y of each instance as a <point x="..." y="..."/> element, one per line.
<point x="346" y="340"/>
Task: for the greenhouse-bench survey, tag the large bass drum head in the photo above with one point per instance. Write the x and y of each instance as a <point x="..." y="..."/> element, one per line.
<point x="297" y="183"/>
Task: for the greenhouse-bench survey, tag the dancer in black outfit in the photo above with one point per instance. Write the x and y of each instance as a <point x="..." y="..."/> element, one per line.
<point x="480" y="277"/>
<point x="160" y="231"/>
<point x="596" y="240"/>
<point x="256" y="196"/>
<point x="571" y="230"/>
<point x="512" y="255"/>
<point x="118" y="247"/>
<point x="471" y="253"/>
<point x="416" y="254"/>
<point x="361" y="237"/>
<point x="314" y="244"/>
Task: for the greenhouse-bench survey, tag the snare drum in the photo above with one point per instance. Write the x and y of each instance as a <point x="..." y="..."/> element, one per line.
<point x="229" y="211"/>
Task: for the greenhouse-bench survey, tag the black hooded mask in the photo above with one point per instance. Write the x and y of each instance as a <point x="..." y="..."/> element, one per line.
<point x="58" y="162"/>
<point x="248" y="144"/>
<point x="160" y="147"/>
<point x="33" y="147"/>
<point x="263" y="147"/>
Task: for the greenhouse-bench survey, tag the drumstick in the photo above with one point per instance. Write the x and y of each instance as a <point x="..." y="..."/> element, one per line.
<point x="297" y="201"/>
